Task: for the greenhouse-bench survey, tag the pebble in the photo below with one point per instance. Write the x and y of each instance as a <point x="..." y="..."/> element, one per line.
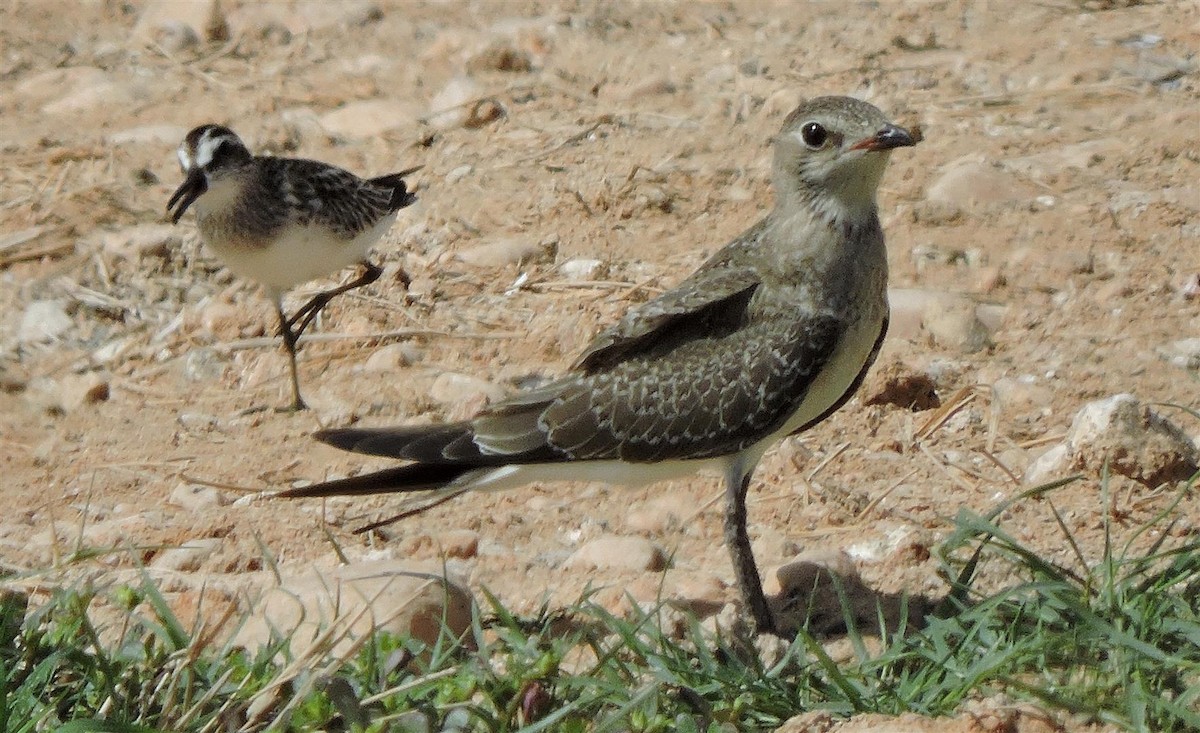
<point x="44" y="320"/>
<point x="368" y="118"/>
<point x="391" y="357"/>
<point x="613" y="552"/>
<point x="141" y="239"/>
<point x="399" y="597"/>
<point x="173" y="21"/>
<point x="204" y="364"/>
<point x="953" y="321"/>
<point x="661" y="514"/>
<point x="654" y="86"/>
<point x="188" y="557"/>
<point x="1127" y="436"/>
<point x="504" y="251"/>
<point x="148" y="135"/>
<point x="580" y="269"/>
<point x="460" y="543"/>
<point x="448" y="108"/>
<point x="195" y="498"/>
<point x="972" y="184"/>
<point x="462" y="394"/>
<point x="79" y="390"/>
<point x="1022" y="395"/>
<point x="459" y="173"/>
<point x="1184" y="353"/>
<point x="500" y="55"/>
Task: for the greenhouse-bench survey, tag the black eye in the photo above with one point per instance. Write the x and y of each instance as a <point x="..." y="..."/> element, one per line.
<point x="813" y="134"/>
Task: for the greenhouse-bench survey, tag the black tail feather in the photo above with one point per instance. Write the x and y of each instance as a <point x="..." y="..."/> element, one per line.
<point x="415" y="477"/>
<point x="423" y="443"/>
<point x="401" y="196"/>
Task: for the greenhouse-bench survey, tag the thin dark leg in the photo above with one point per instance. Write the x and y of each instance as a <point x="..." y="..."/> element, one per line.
<point x="737" y="539"/>
<point x="309" y="311"/>
<point x="289" y="345"/>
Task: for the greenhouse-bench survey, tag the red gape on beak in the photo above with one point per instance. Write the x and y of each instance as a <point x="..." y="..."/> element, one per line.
<point x="887" y="138"/>
<point x="192" y="188"/>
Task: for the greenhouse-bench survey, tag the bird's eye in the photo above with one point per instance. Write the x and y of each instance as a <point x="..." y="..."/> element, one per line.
<point x="813" y="134"/>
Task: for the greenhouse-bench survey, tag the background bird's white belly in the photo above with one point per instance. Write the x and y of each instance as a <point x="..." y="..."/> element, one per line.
<point x="299" y="254"/>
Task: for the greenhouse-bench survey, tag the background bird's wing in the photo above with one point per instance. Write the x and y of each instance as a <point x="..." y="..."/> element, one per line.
<point x="328" y="195"/>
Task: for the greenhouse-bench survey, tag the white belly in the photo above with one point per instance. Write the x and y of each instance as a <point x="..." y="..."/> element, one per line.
<point x="300" y="254"/>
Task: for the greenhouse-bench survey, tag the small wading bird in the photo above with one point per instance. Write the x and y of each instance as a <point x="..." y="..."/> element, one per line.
<point x="284" y="221"/>
<point x="769" y="337"/>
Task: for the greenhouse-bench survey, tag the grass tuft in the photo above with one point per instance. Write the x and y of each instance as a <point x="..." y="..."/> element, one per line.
<point x="1115" y="641"/>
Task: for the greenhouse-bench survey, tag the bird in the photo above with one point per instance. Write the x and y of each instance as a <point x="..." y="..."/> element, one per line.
<point x="284" y="221"/>
<point x="771" y="335"/>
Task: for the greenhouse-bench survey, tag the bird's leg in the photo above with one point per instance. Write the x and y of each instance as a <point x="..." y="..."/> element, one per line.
<point x="306" y="314"/>
<point x="289" y="345"/>
<point x="737" y="538"/>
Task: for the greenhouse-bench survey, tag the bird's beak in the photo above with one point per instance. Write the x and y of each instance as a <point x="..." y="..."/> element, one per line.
<point x="888" y="137"/>
<point x="192" y="188"/>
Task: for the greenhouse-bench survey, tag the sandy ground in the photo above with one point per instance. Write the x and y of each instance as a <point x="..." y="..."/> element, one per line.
<point x="578" y="158"/>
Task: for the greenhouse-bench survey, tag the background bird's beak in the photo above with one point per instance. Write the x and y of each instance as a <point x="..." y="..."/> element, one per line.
<point x="890" y="136"/>
<point x="192" y="188"/>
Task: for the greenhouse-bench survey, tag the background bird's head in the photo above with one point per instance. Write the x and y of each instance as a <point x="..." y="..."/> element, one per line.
<point x="832" y="152"/>
<point x="205" y="154"/>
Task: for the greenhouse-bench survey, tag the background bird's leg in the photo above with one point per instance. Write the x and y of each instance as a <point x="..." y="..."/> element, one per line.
<point x="306" y="314"/>
<point x="289" y="345"/>
<point x="737" y="539"/>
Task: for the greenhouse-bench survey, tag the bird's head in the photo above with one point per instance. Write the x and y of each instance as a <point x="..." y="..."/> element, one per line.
<point x="832" y="152"/>
<point x="206" y="153"/>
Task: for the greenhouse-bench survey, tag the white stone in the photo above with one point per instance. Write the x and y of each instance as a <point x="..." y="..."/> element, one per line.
<point x="188" y="557"/>
<point x="368" y="118"/>
<point x="971" y="183"/>
<point x="44" y="320"/>
<point x="196" y="498"/>
<point x="406" y="599"/>
<point x="619" y="553"/>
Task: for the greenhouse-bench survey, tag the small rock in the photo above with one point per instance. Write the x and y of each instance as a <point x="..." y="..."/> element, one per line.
<point x="392" y="357"/>
<point x="1184" y="353"/>
<point x="500" y="56"/>
<point x="580" y="269"/>
<point x="1049" y="466"/>
<point x="165" y="19"/>
<point x="652" y="87"/>
<point x="505" y="251"/>
<point x="971" y="184"/>
<point x="662" y="513"/>
<point x="141" y="239"/>
<point x="459" y="173"/>
<point x="405" y="599"/>
<point x="44" y="320"/>
<point x="460" y="543"/>
<point x="78" y="390"/>
<point x="955" y="325"/>
<point x="1022" y="395"/>
<point x="463" y="394"/>
<point x="1134" y="440"/>
<point x="449" y="107"/>
<point x="187" y="557"/>
<point x="368" y="118"/>
<point x="203" y="364"/>
<point x="148" y="135"/>
<point x="619" y="553"/>
<point x="701" y="595"/>
<point x="196" y="498"/>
